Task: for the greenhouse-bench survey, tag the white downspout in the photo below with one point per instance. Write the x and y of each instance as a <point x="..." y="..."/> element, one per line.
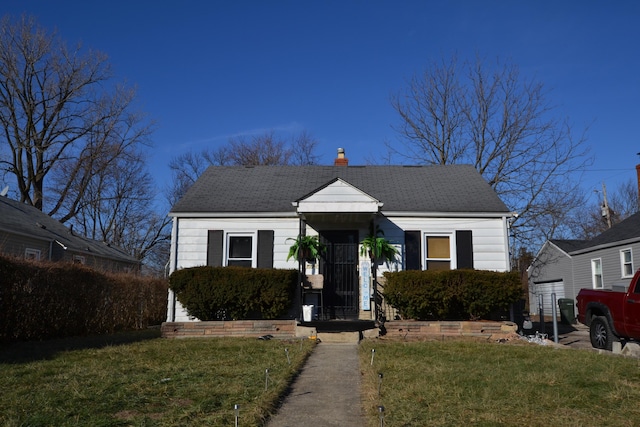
<point x="173" y="266"/>
<point x="508" y="221"/>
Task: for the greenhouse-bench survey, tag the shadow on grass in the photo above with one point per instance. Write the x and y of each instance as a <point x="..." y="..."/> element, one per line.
<point x="23" y="352"/>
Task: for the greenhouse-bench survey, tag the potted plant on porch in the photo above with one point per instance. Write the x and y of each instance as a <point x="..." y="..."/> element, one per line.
<point x="376" y="247"/>
<point x="306" y="248"/>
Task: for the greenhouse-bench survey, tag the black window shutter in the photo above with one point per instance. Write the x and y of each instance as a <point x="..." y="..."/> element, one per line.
<point x="265" y="248"/>
<point x="464" y="249"/>
<point x="214" y="248"/>
<point x="413" y="250"/>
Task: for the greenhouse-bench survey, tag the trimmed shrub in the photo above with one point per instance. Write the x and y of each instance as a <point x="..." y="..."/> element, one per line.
<point x="451" y="295"/>
<point x="234" y="293"/>
<point x="40" y="300"/>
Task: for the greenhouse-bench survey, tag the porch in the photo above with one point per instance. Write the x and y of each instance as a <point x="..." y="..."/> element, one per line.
<point x="339" y="284"/>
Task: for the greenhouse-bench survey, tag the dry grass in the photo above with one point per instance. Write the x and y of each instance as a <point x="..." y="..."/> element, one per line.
<point x="150" y="382"/>
<point x="454" y="383"/>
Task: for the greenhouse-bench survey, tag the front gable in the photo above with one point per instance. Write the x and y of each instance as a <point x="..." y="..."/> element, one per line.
<point x="338" y="196"/>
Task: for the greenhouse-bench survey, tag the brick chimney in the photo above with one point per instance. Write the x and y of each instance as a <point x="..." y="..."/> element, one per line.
<point x="341" y="160"/>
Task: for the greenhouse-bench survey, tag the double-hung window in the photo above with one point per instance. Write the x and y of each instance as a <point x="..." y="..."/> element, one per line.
<point x="438" y="252"/>
<point x="596" y="272"/>
<point x="626" y="262"/>
<point x="240" y="250"/>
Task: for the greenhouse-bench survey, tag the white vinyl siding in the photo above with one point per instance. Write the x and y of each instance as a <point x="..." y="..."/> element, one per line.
<point x="191" y="236"/>
<point x="489" y="237"/>
<point x="189" y="240"/>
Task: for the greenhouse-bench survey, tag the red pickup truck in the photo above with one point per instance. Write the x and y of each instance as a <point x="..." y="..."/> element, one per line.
<point x="611" y="315"/>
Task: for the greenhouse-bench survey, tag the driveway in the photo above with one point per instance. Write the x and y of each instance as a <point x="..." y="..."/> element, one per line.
<point x="574" y="336"/>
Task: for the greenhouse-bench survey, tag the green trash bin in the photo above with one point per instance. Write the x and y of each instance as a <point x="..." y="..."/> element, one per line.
<point x="567" y="311"/>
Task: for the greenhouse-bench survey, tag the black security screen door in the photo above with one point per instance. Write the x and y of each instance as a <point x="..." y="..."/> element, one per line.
<point x="340" y="269"/>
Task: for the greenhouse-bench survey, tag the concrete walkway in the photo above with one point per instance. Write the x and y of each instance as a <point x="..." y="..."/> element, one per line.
<point x="327" y="391"/>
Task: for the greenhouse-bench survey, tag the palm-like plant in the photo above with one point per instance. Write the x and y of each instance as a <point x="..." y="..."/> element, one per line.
<point x="305" y="248"/>
<point x="376" y="246"/>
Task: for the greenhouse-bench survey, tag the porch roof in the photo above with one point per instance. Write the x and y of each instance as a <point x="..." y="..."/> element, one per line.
<point x="271" y="189"/>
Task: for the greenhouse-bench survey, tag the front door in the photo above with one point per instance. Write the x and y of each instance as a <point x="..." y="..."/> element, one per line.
<point x="340" y="269"/>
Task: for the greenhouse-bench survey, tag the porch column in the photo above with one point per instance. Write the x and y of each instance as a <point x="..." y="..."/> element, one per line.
<point x="302" y="228"/>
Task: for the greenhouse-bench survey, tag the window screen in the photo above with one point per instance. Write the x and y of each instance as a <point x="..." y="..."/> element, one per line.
<point x="240" y="250"/>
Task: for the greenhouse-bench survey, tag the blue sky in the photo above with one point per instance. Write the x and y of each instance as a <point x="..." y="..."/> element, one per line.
<point x="208" y="70"/>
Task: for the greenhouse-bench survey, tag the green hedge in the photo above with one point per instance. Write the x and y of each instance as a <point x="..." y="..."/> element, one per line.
<point x="451" y="295"/>
<point x="234" y="293"/>
<point x="40" y="300"/>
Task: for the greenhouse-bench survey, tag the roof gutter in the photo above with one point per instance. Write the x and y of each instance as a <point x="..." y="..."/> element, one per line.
<point x="233" y="214"/>
<point x="403" y="214"/>
<point x="450" y="214"/>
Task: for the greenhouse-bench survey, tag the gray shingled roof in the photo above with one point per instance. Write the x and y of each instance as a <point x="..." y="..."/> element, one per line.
<point x="20" y="218"/>
<point x="438" y="188"/>
<point x="624" y="230"/>
<point x="569" y="245"/>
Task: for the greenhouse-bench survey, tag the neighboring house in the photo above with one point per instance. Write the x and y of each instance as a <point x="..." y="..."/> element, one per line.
<point x="552" y="272"/>
<point x="30" y="233"/>
<point x="607" y="261"/>
<point x="443" y="217"/>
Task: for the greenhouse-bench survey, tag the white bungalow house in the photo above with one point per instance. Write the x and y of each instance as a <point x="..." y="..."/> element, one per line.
<point x="436" y="216"/>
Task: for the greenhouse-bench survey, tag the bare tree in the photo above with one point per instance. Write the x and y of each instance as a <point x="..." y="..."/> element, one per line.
<point x="116" y="207"/>
<point x="71" y="140"/>
<point x="500" y="122"/>
<point x="259" y="150"/>
<point x="303" y="149"/>
<point x="185" y="170"/>
<point x="592" y="219"/>
<point x="58" y="115"/>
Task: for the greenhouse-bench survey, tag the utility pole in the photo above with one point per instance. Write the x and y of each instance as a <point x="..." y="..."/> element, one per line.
<point x="606" y="212"/>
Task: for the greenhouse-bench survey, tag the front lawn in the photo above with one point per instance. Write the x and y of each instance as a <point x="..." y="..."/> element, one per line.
<point x="151" y="382"/>
<point x="463" y="382"/>
<point x="148" y="381"/>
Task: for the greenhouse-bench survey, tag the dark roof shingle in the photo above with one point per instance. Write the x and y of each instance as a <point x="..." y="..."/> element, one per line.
<point x="624" y="230"/>
<point x="20" y="218"/>
<point x="437" y="188"/>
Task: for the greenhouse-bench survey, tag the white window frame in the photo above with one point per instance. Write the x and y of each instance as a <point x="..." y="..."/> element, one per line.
<point x="452" y="249"/>
<point x="623" y="263"/>
<point x="595" y="263"/>
<point x="32" y="254"/>
<point x="254" y="246"/>
<point x="79" y="259"/>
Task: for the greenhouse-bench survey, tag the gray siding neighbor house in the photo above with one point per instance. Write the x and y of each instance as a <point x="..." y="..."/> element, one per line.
<point x="608" y="261"/>
<point x="27" y="232"/>
<point x="434" y="215"/>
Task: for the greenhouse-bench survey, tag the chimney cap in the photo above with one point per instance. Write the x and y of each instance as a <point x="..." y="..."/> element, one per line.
<point x="341" y="160"/>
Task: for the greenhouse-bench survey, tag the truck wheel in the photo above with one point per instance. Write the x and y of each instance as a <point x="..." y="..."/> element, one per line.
<point x="600" y="333"/>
